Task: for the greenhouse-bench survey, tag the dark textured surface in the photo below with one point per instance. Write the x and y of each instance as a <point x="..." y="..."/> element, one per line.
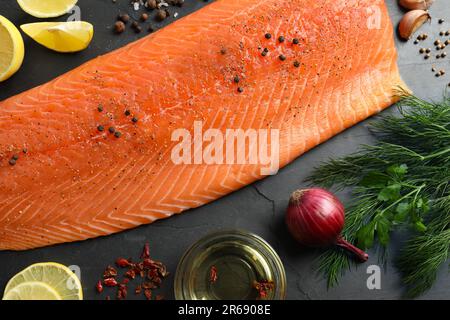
<point x="258" y="208"/>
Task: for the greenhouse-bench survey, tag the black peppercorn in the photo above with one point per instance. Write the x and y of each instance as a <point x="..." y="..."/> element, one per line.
<point x="124" y="18"/>
<point x="119" y="27"/>
<point x="151" y="4"/>
<point x="161" y="15"/>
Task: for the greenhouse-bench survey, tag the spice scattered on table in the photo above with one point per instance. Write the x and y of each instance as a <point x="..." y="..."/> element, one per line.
<point x="150" y="274"/>
<point x="124" y="18"/>
<point x="263" y="288"/>
<point x="213" y="274"/>
<point x="99" y="286"/>
<point x="144" y="17"/>
<point x="119" y="27"/>
<point x="161" y="15"/>
<point x="438" y="52"/>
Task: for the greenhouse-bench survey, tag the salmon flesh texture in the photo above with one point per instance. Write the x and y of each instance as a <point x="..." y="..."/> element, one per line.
<point x="75" y="182"/>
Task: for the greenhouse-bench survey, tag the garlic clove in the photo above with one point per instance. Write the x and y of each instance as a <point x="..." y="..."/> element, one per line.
<point x="416" y="4"/>
<point x="411" y="22"/>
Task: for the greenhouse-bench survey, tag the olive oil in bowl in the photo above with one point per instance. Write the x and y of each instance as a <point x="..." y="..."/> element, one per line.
<point x="230" y="265"/>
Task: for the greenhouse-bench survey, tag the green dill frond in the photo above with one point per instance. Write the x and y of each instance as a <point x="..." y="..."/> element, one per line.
<point x="418" y="138"/>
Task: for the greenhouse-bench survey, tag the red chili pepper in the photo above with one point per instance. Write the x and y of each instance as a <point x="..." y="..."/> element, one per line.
<point x="149" y="285"/>
<point x="157" y="281"/>
<point x="109" y="272"/>
<point x="99" y="286"/>
<point x="146" y="251"/>
<point x="122" y="263"/>
<point x="213" y="274"/>
<point x="138" y="267"/>
<point x="148" y="294"/>
<point x="130" y="274"/>
<point x="138" y="289"/>
<point x="153" y="273"/>
<point x="263" y="287"/>
<point x="122" y="292"/>
<point x="110" y="282"/>
<point x="149" y="263"/>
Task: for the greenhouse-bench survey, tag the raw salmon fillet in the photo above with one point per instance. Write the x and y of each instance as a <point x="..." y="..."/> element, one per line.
<point x="75" y="182"/>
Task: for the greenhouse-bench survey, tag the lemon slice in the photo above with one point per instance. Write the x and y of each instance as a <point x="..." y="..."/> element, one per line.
<point x="12" y="49"/>
<point x="46" y="8"/>
<point x="61" y="36"/>
<point x="58" y="277"/>
<point x="33" y="290"/>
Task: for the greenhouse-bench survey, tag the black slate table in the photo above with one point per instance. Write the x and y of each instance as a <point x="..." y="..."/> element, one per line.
<point x="258" y="208"/>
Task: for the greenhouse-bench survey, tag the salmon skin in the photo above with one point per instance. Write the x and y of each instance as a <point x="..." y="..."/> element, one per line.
<point x="72" y="181"/>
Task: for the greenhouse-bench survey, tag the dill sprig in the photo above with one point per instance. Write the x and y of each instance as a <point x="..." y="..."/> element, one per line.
<point x="401" y="181"/>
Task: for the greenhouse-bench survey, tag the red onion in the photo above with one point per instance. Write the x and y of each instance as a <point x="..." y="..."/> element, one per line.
<point x="315" y="217"/>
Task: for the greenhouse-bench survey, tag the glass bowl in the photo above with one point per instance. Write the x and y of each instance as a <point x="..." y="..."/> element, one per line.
<point x="230" y="265"/>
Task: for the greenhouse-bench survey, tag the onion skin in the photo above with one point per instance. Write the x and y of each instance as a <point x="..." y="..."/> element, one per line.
<point x="315" y="218"/>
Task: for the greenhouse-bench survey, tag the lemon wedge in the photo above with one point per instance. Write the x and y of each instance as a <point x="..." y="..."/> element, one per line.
<point x="33" y="290"/>
<point x="55" y="275"/>
<point x="12" y="49"/>
<point x="61" y="36"/>
<point x="46" y="8"/>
